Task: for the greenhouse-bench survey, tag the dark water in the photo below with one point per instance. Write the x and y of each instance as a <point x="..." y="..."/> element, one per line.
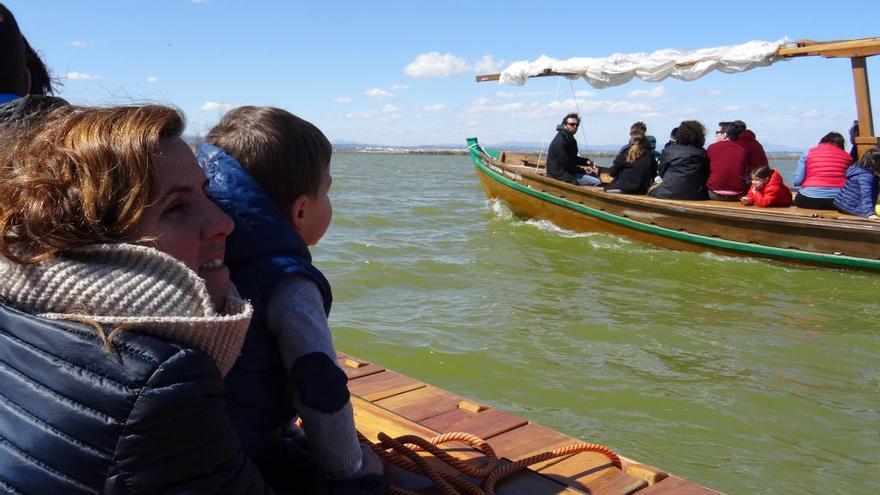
<point x="745" y="375"/>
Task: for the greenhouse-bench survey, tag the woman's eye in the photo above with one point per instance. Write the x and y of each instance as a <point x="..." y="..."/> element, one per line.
<point x="176" y="208"/>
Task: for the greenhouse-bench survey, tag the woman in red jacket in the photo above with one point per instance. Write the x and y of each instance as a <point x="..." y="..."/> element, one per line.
<point x="768" y="189"/>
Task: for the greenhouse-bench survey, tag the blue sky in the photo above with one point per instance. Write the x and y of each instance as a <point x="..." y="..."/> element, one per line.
<point x="343" y="65"/>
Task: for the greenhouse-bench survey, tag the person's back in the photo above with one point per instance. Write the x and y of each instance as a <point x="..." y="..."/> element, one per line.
<point x="634" y="168"/>
<point x="826" y="166"/>
<point x="727" y="166"/>
<point x="858" y="196"/>
<point x="755" y="155"/>
<point x="269" y="170"/>
<point x="684" y="166"/>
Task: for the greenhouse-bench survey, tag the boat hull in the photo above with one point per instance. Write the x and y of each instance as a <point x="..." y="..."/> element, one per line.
<point x="789" y="234"/>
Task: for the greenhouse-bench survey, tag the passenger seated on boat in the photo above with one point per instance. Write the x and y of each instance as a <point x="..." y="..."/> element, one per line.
<point x="684" y="166"/>
<point x="118" y="320"/>
<point x="270" y="171"/>
<point x="755" y="155"/>
<point x="634" y="168"/>
<point x="563" y="162"/>
<point x="640" y="129"/>
<point x="767" y="189"/>
<point x="858" y="196"/>
<point x="727" y="164"/>
<point x="820" y="173"/>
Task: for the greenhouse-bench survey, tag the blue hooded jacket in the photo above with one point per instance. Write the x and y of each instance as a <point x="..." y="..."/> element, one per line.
<point x="859" y="193"/>
<point x="263" y="249"/>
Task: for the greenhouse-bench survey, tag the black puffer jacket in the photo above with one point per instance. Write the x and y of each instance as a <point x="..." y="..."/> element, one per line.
<point x="685" y="170"/>
<point x="633" y="177"/>
<point x="76" y="420"/>
<point x="563" y="159"/>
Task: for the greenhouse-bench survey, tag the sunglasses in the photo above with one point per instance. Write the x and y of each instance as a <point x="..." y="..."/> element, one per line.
<point x="573" y="125"/>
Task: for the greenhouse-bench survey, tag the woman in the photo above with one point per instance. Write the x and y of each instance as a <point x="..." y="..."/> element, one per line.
<point x="684" y="166"/>
<point x="858" y="196"/>
<point x="820" y="173"/>
<point x="634" y="168"/>
<point x="118" y="319"/>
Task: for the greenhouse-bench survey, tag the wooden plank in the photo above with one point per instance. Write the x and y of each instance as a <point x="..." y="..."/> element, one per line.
<point x="383" y="385"/>
<point x="484" y="424"/>
<point x="422" y="403"/>
<point x="593" y="473"/>
<point x="529" y="440"/>
<point x="648" y="473"/>
<point x="673" y="485"/>
<point x="356" y="368"/>
<point x="530" y="483"/>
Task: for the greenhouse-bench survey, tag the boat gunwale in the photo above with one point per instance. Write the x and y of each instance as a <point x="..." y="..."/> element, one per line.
<point x="479" y="156"/>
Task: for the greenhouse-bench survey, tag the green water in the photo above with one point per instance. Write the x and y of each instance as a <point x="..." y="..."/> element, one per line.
<point x="744" y="375"/>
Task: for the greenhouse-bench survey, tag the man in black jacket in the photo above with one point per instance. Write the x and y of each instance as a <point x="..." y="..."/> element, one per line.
<point x="563" y="162"/>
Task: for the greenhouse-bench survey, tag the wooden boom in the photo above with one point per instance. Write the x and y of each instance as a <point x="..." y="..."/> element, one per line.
<point x="857" y="50"/>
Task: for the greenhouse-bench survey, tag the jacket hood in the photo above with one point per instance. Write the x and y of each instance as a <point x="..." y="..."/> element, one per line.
<point x="260" y="227"/>
<point x="746" y="135"/>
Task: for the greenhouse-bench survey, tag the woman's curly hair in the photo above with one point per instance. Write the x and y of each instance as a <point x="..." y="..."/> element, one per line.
<point x="78" y="176"/>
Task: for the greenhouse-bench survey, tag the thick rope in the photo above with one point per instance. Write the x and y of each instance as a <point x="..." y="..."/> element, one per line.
<point x="403" y="452"/>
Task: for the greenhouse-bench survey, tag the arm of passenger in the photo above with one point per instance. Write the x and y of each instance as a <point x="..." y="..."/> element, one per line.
<point x="296" y="317"/>
<point x="179" y="438"/>
<point x="800" y="171"/>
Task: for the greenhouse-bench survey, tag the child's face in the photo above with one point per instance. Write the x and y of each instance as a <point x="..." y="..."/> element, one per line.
<point x="758" y="182"/>
<point x="318" y="212"/>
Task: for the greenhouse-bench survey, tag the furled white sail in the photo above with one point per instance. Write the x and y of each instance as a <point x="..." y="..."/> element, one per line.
<point x="621" y="67"/>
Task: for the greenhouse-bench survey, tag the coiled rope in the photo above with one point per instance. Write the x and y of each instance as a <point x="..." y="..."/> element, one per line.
<point x="403" y="452"/>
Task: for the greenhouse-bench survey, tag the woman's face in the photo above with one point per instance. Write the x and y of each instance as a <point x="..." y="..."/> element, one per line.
<point x="184" y="221"/>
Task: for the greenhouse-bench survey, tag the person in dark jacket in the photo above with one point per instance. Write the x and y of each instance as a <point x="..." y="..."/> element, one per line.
<point x="118" y="319"/>
<point x="15" y="80"/>
<point x="684" y="166"/>
<point x="858" y="196"/>
<point x="563" y="162"/>
<point x="270" y="171"/>
<point x="634" y="168"/>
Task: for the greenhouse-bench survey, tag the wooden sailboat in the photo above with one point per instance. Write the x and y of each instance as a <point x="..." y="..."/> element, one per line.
<point x="794" y="234"/>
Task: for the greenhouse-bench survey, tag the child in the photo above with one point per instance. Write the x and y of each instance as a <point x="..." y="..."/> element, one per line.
<point x="768" y="189"/>
<point x="270" y="171"/>
<point x="858" y="196"/>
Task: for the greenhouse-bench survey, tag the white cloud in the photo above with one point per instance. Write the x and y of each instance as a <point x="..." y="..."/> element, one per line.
<point x="555" y="109"/>
<point x="730" y="108"/>
<point x="398" y="87"/>
<point x="378" y="94"/>
<point x="152" y="79"/>
<point x="342" y="100"/>
<point x="487" y="65"/>
<point x="78" y="43"/>
<point x="763" y="105"/>
<point x="583" y="93"/>
<point x="657" y="92"/>
<point x="505" y="95"/>
<point x="217" y="107"/>
<point x="359" y="115"/>
<point x="435" y="108"/>
<point x="80" y="76"/>
<point x="716" y="92"/>
<point x="389" y="108"/>
<point x="805" y="113"/>
<point x="433" y="64"/>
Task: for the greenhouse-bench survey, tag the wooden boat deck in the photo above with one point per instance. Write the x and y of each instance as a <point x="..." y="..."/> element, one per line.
<point x="389" y="402"/>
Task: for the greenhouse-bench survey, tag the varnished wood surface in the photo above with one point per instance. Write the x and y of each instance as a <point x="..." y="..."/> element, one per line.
<point x="392" y="403"/>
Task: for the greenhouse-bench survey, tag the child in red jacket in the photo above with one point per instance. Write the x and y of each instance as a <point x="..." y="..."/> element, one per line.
<point x="767" y="189"/>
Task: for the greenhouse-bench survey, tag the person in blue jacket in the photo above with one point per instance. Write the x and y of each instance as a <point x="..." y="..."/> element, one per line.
<point x="270" y="171"/>
<point x="858" y="196"/>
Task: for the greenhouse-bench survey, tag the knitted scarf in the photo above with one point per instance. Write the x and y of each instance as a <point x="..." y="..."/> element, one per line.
<point x="129" y="287"/>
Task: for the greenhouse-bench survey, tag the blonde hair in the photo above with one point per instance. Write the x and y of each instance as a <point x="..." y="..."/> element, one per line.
<point x="78" y="176"/>
<point x="636" y="147"/>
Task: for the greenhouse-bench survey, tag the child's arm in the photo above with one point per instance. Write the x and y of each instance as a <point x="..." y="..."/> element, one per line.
<point x="296" y="316"/>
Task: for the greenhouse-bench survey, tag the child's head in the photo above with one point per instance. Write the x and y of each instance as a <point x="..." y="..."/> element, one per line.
<point x="760" y="176"/>
<point x="288" y="157"/>
<point x="871" y="161"/>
